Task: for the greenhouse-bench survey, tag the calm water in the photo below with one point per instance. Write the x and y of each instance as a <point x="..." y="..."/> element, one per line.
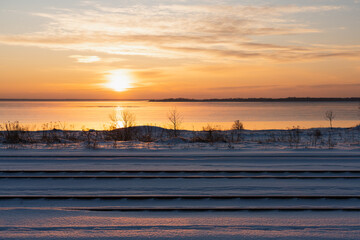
<point x="95" y="114"/>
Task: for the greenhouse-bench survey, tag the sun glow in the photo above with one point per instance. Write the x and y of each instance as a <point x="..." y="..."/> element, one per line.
<point x="119" y="80"/>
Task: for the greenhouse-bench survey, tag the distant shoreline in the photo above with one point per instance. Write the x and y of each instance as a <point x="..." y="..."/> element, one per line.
<point x="289" y="99"/>
<point x="67" y="100"/>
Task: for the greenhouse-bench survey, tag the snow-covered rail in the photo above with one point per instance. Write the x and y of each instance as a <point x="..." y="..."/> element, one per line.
<point x="292" y="194"/>
<point x="174" y="177"/>
<point x="183" y="182"/>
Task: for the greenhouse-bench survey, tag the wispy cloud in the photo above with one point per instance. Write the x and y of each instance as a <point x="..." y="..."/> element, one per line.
<point x="203" y="32"/>
<point x="85" y="59"/>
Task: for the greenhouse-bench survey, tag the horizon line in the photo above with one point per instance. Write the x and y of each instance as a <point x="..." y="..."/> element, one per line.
<point x="176" y="99"/>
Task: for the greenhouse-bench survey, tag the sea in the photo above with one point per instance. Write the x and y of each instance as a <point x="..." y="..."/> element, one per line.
<point x="77" y="115"/>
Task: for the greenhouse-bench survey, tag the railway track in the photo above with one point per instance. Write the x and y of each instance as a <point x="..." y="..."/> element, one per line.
<point x="166" y="183"/>
<point x="179" y="177"/>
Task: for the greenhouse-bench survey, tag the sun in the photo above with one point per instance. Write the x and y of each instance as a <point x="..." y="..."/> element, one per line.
<point x="119" y="80"/>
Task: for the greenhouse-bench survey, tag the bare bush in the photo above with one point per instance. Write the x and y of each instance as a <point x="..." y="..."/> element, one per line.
<point x="128" y="119"/>
<point x="14" y="132"/>
<point x="68" y="132"/>
<point x="237" y="125"/>
<point x="315" y="137"/>
<point x="121" y="119"/>
<point x="294" y="136"/>
<point x="50" y="133"/>
<point x="331" y="142"/>
<point x="175" y="118"/>
<point x="91" y="137"/>
<point x="210" y="134"/>
<point x="237" y="129"/>
<point x="58" y="132"/>
<point x="122" y="125"/>
<point x="330" y="116"/>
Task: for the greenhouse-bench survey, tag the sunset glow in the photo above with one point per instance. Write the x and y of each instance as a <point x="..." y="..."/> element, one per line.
<point x="119" y="81"/>
<point x="191" y="49"/>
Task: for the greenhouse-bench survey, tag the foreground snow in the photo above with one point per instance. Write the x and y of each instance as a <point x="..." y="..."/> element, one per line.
<point x="146" y="138"/>
<point x="53" y="224"/>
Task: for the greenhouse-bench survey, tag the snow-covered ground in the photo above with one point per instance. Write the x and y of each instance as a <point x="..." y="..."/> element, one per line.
<point x="54" y="224"/>
<point x="179" y="194"/>
<point x="144" y="138"/>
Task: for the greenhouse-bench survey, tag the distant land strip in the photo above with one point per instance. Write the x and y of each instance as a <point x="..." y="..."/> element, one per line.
<point x="289" y="99"/>
<point x="66" y="100"/>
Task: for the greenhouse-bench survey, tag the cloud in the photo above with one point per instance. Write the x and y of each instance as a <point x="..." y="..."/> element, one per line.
<point x="85" y="59"/>
<point x="334" y="86"/>
<point x="237" y="88"/>
<point x="150" y="74"/>
<point x="325" y="89"/>
<point x="201" y="32"/>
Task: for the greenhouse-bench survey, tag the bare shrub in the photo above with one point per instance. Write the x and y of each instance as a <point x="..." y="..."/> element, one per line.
<point x="50" y="133"/>
<point x="175" y="118"/>
<point x="128" y="118"/>
<point x="14" y="132"/>
<point x="236" y="130"/>
<point x="237" y="125"/>
<point x="294" y="136"/>
<point x="211" y="134"/>
<point x="330" y="116"/>
<point x="58" y="132"/>
<point x="122" y="125"/>
<point x="68" y="133"/>
<point x="114" y="120"/>
<point x="91" y="138"/>
<point x="121" y="119"/>
<point x="315" y="137"/>
<point x="331" y="142"/>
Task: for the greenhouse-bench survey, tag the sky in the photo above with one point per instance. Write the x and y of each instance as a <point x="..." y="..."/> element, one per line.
<point x="194" y="49"/>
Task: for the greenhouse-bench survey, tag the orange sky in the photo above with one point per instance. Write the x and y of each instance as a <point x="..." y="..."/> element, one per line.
<point x="112" y="49"/>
